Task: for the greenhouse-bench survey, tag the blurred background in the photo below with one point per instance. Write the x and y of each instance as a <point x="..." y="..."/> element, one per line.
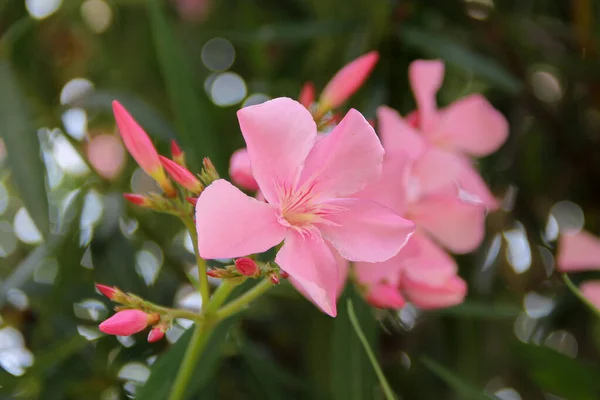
<point x="183" y="68"/>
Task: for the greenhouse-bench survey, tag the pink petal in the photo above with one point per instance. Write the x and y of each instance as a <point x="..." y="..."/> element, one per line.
<point x="426" y="78"/>
<point x="472" y="125"/>
<point x="426" y="253"/>
<point x="348" y="80"/>
<point x="427" y="296"/>
<point x="456" y="224"/>
<point x="240" y="170"/>
<point x="390" y="190"/>
<point x="591" y="291"/>
<point x="365" y="230"/>
<point x="279" y="134"/>
<point x="387" y="271"/>
<point x="397" y="136"/>
<point x="471" y="182"/>
<point x="343" y="162"/>
<point x="312" y="269"/>
<point x="231" y="224"/>
<point x="434" y="170"/>
<point x="578" y="252"/>
<point x="383" y="295"/>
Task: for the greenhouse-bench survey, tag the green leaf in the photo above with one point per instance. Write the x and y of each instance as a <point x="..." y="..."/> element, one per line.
<point x="455" y="53"/>
<point x="166" y="367"/>
<point x="467" y="390"/>
<point x="559" y="374"/>
<point x="387" y="390"/>
<point x="23" y="149"/>
<point x="191" y="110"/>
<point x="352" y="376"/>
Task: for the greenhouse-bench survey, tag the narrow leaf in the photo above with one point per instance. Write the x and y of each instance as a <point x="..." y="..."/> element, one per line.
<point x="467" y="390"/>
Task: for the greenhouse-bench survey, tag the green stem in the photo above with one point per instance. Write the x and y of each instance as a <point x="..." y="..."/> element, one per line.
<point x="241" y="302"/>
<point x="200" y="262"/>
<point x="193" y="352"/>
<point x="177" y="313"/>
<point x="580" y="295"/>
<point x="387" y="390"/>
<point x="219" y="296"/>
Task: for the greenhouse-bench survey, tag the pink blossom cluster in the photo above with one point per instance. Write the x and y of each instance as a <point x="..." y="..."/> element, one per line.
<point x="394" y="207"/>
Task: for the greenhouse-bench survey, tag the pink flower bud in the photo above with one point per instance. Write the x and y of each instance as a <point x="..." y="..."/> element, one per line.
<point x="138" y="199"/>
<point x="274" y="279"/>
<point x="240" y="170"/>
<point x="347" y="81"/>
<point x="182" y="176"/>
<point x="307" y="95"/>
<point x="384" y="295"/>
<point x="156" y="334"/>
<point x="176" y="153"/>
<point x="127" y="322"/>
<point x="108" y="291"/>
<point x="246" y="266"/>
<point x="192" y="200"/>
<point x="141" y="148"/>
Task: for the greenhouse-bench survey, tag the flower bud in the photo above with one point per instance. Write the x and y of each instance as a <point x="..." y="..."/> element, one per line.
<point x="209" y="173"/>
<point x="222" y="273"/>
<point x="138" y="200"/>
<point x="141" y="148"/>
<point x="274" y="279"/>
<point x="177" y="154"/>
<point x="307" y="95"/>
<point x="240" y="170"/>
<point x="108" y="291"/>
<point x="192" y="200"/>
<point x="156" y="334"/>
<point x="182" y="176"/>
<point x="347" y="81"/>
<point x="128" y="322"/>
<point x="384" y="295"/>
<point x="246" y="266"/>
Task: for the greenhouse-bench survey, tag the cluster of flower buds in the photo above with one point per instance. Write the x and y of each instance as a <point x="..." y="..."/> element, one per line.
<point x="245" y="267"/>
<point x="143" y="151"/>
<point x="133" y="316"/>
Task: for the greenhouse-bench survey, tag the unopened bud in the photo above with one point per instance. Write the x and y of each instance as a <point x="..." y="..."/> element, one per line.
<point x="177" y="154"/>
<point x="128" y="322"/>
<point x="192" y="200"/>
<point x="274" y="279"/>
<point x="156" y="334"/>
<point x="246" y="266"/>
<point x="108" y="291"/>
<point x="138" y="200"/>
<point x="284" y="275"/>
<point x="307" y="95"/>
<point x="181" y="175"/>
<point x="209" y="173"/>
<point x="221" y="273"/>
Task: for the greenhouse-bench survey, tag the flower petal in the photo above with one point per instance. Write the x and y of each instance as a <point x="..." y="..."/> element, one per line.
<point x="231" y="224"/>
<point x="434" y="170"/>
<point x="343" y="162"/>
<point x="397" y="136"/>
<point x="427" y="296"/>
<point x="578" y="252"/>
<point x="472" y="125"/>
<point x="387" y="271"/>
<point x="384" y="295"/>
<point x="240" y="170"/>
<point x="426" y="78"/>
<point x="365" y="230"/>
<point x="312" y="268"/>
<point x="456" y="224"/>
<point x="279" y="134"/>
<point x="471" y="182"/>
<point x="591" y="291"/>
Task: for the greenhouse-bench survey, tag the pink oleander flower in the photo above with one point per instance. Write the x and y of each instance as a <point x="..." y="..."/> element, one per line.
<point x="384" y="295"/>
<point x="591" y="291"/>
<point x="347" y="81"/>
<point x="141" y="148"/>
<point x="307" y="184"/>
<point x="469" y="127"/>
<point x="181" y="175"/>
<point x="240" y="170"/>
<point x="107" y="155"/>
<point x="127" y="322"/>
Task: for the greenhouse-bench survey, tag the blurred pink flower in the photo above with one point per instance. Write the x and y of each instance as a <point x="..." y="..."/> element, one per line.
<point x="578" y="251"/>
<point x="307" y="95"/>
<point x="591" y="291"/>
<point x="107" y="155"/>
<point x="193" y="10"/>
<point x="307" y="184"/>
<point x="240" y="170"/>
<point x="127" y="322"/>
<point x="469" y="127"/>
<point x="384" y="295"/>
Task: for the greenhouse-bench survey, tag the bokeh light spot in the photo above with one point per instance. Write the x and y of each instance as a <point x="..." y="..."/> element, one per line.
<point x="40" y="9"/>
<point x="97" y="14"/>
<point x="228" y="89"/>
<point x="218" y="54"/>
<point x="25" y="229"/>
